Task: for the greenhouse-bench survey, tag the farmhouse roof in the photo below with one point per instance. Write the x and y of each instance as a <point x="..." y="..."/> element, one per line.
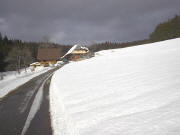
<point x="49" y="54"/>
<point x="76" y="47"/>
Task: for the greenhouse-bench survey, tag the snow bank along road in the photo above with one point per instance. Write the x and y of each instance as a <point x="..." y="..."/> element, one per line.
<point x="13" y="80"/>
<point x="130" y="91"/>
<point x="25" y="111"/>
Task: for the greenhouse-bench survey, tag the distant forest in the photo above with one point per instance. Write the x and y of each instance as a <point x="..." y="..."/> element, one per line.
<point x="167" y="30"/>
<point x="164" y="31"/>
<point x="13" y="51"/>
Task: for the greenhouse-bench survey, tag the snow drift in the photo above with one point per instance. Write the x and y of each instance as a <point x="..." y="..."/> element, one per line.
<point x="130" y="91"/>
<point x="12" y="79"/>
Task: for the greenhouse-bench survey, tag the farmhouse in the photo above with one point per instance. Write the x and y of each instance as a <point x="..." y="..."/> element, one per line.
<point x="76" y="53"/>
<point x="48" y="56"/>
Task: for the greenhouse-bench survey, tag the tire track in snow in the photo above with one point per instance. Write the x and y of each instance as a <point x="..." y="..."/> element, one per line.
<point x="35" y="106"/>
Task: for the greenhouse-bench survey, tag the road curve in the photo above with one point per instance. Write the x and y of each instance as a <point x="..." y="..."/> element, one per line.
<point x="25" y="111"/>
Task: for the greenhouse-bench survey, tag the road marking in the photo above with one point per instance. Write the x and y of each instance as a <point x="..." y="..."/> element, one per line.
<point x="26" y="101"/>
<point x="35" y="106"/>
<point x="24" y="105"/>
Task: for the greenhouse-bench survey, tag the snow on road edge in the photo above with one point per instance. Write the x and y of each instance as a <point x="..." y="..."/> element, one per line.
<point x="60" y="116"/>
<point x="6" y="86"/>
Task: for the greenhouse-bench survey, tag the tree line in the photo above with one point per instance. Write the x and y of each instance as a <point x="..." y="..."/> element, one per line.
<point x="113" y="45"/>
<point x="16" y="54"/>
<point x="167" y="30"/>
<point x="163" y="31"/>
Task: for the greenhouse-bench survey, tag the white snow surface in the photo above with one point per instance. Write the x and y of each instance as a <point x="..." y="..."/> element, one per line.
<point x="13" y="80"/>
<point x="130" y="91"/>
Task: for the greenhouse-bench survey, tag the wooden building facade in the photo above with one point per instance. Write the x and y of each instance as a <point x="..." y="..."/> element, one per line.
<point x="76" y="53"/>
<point x="48" y="56"/>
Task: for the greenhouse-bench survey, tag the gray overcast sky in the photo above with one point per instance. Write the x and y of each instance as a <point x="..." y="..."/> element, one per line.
<point x="84" y="21"/>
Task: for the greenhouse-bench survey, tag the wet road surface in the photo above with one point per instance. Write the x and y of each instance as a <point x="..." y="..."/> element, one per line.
<point x="25" y="111"/>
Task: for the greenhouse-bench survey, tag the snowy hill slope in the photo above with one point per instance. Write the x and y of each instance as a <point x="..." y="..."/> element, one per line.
<point x="130" y="91"/>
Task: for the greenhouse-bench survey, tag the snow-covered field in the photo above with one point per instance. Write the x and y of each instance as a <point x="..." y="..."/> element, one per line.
<point x="12" y="79"/>
<point x="130" y="91"/>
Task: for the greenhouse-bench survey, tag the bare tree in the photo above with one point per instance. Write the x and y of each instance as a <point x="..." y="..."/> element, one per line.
<point x="19" y="58"/>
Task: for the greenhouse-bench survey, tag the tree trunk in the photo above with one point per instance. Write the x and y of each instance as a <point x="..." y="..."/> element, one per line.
<point x="25" y="66"/>
<point x="19" y="64"/>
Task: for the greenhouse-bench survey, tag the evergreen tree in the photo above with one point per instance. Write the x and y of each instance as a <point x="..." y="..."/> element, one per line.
<point x="167" y="30"/>
<point x="5" y="40"/>
<point x="1" y="38"/>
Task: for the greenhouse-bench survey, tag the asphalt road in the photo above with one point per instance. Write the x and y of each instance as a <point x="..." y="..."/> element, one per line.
<point x="25" y="111"/>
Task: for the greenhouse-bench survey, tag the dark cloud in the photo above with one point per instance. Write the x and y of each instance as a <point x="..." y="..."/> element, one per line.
<point x="84" y="21"/>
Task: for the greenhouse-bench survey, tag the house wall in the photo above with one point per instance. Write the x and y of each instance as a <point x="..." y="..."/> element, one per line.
<point x="79" y="52"/>
<point x="47" y="63"/>
<point x="76" y="57"/>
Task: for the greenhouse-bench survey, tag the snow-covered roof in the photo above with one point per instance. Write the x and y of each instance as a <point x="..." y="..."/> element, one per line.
<point x="76" y="47"/>
<point x="34" y="63"/>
